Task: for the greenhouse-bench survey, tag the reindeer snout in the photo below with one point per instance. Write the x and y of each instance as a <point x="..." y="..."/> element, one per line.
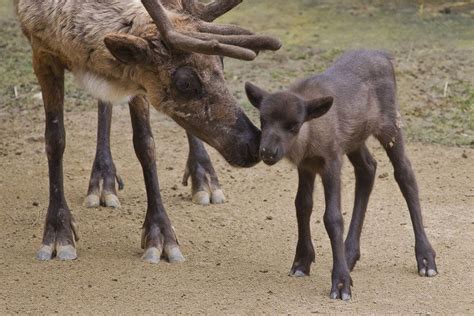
<point x="269" y="155"/>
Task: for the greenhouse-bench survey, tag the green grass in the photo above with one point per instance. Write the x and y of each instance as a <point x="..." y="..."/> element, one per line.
<point x="430" y="49"/>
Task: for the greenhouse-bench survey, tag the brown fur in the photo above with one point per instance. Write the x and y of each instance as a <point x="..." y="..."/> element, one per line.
<point x="317" y="121"/>
<point x="115" y="51"/>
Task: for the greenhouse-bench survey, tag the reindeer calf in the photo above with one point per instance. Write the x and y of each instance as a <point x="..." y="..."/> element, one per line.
<point x="317" y="121"/>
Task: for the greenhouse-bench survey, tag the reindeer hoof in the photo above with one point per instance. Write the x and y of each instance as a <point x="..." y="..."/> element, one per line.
<point x="346" y="297"/>
<point x="152" y="255"/>
<point x="110" y="200"/>
<point x="45" y="253"/>
<point x="298" y="274"/>
<point x="201" y="198"/>
<point x="92" y="201"/>
<point x="217" y="197"/>
<point x="430" y="273"/>
<point x="174" y="254"/>
<point x="67" y="252"/>
<point x="343" y="296"/>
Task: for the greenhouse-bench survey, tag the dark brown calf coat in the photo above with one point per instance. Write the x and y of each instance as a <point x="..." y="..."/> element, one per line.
<point x="317" y="121"/>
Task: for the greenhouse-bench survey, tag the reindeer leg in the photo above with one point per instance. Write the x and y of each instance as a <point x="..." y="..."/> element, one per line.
<point x="364" y="167"/>
<point x="333" y="221"/>
<point x="103" y="168"/>
<point x="158" y="235"/>
<point x="405" y="177"/>
<point x="59" y="232"/>
<point x="205" y="185"/>
<point x="304" y="207"/>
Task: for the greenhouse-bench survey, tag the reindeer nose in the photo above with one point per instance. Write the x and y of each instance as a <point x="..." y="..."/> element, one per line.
<point x="268" y="154"/>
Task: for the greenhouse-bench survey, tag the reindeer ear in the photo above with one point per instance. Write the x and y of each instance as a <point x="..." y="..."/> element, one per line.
<point x="255" y="94"/>
<point x="129" y="49"/>
<point x="317" y="107"/>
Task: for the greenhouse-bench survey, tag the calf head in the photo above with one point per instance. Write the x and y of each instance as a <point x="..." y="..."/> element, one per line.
<point x="178" y="63"/>
<point x="282" y="115"/>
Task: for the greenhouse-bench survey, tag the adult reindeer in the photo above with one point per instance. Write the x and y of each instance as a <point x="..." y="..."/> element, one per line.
<point x="205" y="187"/>
<point x="143" y="53"/>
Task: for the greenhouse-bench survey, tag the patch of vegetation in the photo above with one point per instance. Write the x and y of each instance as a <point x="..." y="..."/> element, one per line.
<point x="431" y="48"/>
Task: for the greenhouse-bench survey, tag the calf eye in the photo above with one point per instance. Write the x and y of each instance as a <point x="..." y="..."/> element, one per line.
<point x="187" y="83"/>
<point x="292" y="127"/>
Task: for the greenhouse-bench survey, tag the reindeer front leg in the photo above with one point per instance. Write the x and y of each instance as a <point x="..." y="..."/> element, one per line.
<point x="158" y="235"/>
<point x="205" y="187"/>
<point x="59" y="231"/>
<point x="103" y="169"/>
<point x="333" y="221"/>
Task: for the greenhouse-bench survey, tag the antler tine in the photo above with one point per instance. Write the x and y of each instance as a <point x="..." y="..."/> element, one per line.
<point x="211" y="11"/>
<point x="253" y="42"/>
<point x="234" y="46"/>
<point x="223" y="29"/>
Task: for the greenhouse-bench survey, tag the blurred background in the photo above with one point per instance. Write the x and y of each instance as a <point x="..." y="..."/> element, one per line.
<point x="433" y="42"/>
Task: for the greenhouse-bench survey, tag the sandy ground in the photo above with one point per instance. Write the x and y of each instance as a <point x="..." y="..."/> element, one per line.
<point x="238" y="254"/>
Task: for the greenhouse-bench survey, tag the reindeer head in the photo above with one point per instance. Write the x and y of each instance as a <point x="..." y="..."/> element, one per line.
<point x="281" y="115"/>
<point x="179" y="65"/>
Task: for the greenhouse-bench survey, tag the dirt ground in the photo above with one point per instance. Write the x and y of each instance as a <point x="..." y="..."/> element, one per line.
<point x="238" y="254"/>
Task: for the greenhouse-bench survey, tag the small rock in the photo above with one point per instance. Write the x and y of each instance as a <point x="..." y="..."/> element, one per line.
<point x="446" y="10"/>
<point x="383" y="175"/>
<point x="35" y="203"/>
<point x="269" y="218"/>
<point x="464" y="155"/>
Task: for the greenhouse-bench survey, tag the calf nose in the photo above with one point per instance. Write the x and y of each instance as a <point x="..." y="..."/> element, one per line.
<point x="268" y="154"/>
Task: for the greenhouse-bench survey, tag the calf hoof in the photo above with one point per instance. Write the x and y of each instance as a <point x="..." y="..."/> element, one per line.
<point x="109" y="200"/>
<point x="428" y="272"/>
<point x="425" y="258"/>
<point x="344" y="296"/>
<point x="304" y="257"/>
<point x="298" y="273"/>
<point x="341" y="286"/>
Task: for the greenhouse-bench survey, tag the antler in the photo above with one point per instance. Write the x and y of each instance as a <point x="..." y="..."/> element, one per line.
<point x="212" y="39"/>
<point x="211" y="11"/>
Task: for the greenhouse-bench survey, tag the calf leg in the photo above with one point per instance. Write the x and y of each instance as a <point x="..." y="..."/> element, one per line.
<point x="425" y="255"/>
<point x="103" y="168"/>
<point x="158" y="235"/>
<point x="304" y="207"/>
<point x="205" y="186"/>
<point x="364" y="167"/>
<point x="59" y="232"/>
<point x="341" y="279"/>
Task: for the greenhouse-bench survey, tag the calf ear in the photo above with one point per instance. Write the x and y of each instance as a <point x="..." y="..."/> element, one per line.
<point x="318" y="107"/>
<point x="255" y="94"/>
<point x="129" y="49"/>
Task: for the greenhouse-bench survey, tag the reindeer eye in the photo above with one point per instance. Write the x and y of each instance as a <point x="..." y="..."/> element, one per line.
<point x="292" y="127"/>
<point x="187" y="83"/>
